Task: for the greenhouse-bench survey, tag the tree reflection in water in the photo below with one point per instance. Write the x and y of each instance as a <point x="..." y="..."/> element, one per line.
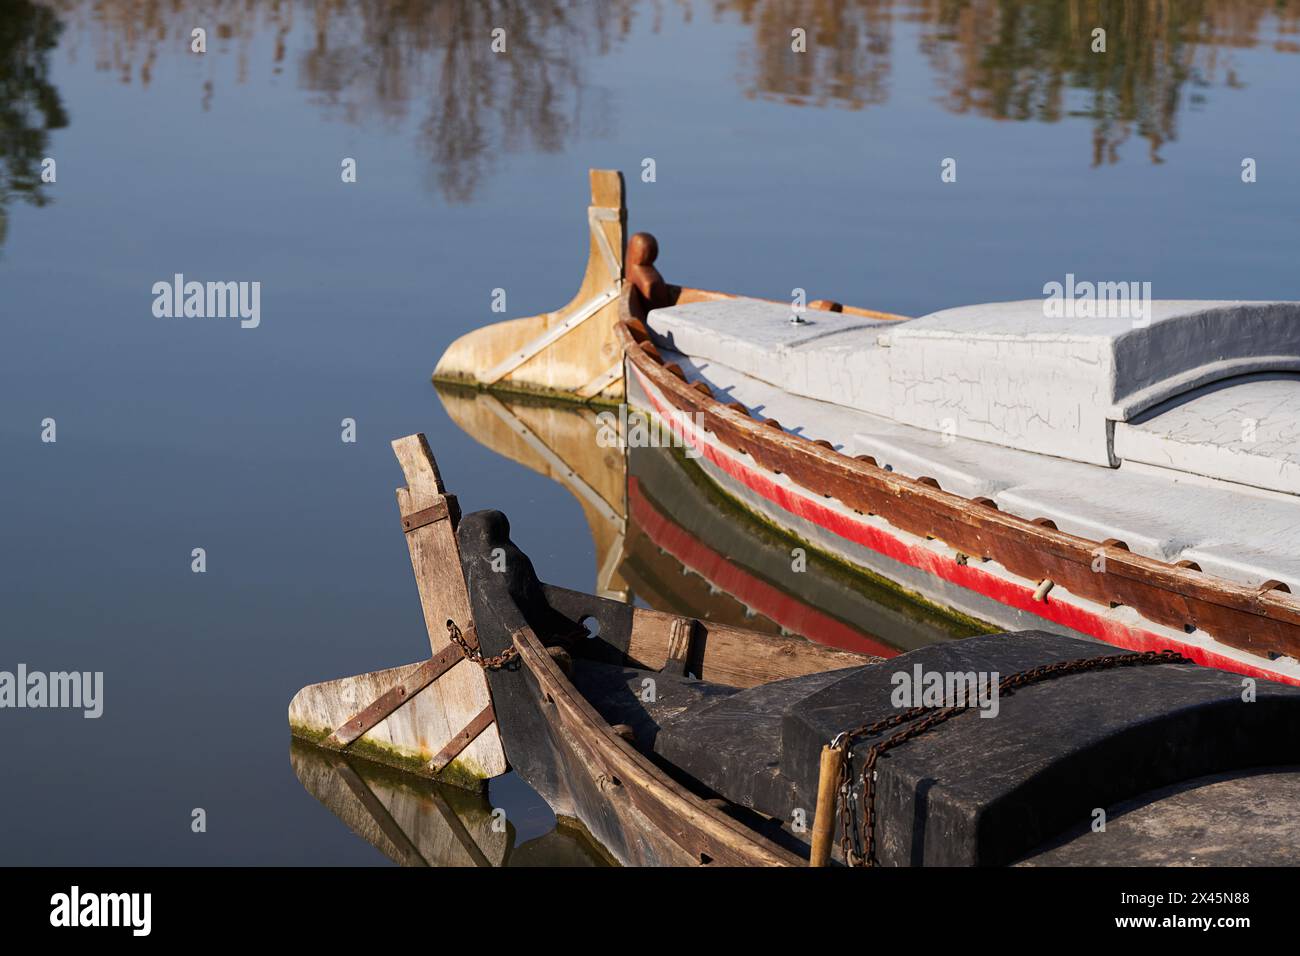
<point x="386" y="62"/>
<point x="29" y="104"/>
<point x="390" y="61"/>
<point x="1021" y="59"/>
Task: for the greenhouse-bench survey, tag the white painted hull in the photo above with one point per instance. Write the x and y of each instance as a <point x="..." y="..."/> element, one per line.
<point x="929" y="569"/>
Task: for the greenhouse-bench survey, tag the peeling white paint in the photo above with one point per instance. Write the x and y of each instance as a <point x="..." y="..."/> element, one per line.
<point x="1002" y="372"/>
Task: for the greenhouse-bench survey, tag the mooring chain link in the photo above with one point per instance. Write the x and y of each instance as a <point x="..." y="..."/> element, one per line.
<point x="858" y="844"/>
<point x="487" y="663"/>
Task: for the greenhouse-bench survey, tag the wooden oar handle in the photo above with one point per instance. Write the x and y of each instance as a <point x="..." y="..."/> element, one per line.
<point x="828" y="782"/>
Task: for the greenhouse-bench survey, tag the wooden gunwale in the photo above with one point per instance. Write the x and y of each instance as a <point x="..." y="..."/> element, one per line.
<point x="1265" y="622"/>
<point x="704" y="832"/>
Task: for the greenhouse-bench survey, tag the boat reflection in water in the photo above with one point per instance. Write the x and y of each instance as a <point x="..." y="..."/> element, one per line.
<point x="416" y="822"/>
<point x="666" y="538"/>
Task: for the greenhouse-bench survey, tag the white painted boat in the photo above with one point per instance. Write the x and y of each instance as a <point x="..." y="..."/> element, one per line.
<point x="1156" y="437"/>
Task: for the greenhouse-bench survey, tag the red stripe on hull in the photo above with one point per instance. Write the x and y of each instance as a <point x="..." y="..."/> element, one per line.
<point x="789" y="612"/>
<point x="967" y="576"/>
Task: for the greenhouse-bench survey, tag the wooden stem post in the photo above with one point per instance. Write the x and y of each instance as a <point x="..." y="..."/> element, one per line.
<point x="828" y="783"/>
<point x="429" y="519"/>
<point x="570" y="352"/>
<point x="433" y="717"/>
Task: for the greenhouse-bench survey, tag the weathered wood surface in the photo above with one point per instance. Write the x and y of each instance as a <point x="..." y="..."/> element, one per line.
<point x="1262" y="622"/>
<point x="584" y="361"/>
<point x="393" y="698"/>
<point x="681" y="644"/>
<point x="412" y="823"/>
<point x="937" y="801"/>
<point x="971" y="791"/>
<point x="978" y="791"/>
<point x="721" y="653"/>
<point x="428" y="717"/>
<point x="732" y="655"/>
<point x="407" y="739"/>
<point x="462" y="693"/>
<point x="1246" y="818"/>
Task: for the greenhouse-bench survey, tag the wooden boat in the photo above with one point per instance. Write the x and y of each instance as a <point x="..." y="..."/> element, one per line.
<point x="674" y="741"/>
<point x="1079" y="477"/>
<point x="603" y="714"/>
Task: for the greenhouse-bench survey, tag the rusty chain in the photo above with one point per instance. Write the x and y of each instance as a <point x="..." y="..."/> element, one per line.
<point x="858" y="844"/>
<point x="471" y="654"/>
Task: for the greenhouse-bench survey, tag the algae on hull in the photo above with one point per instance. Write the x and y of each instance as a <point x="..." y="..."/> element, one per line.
<point x="545" y="396"/>
<point x="460" y="772"/>
<point x="884" y="591"/>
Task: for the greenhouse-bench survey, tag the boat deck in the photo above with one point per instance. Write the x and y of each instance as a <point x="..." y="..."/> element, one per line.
<point x="1007" y="372"/>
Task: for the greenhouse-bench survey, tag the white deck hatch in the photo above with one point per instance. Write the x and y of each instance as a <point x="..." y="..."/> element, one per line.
<point x="1006" y="373"/>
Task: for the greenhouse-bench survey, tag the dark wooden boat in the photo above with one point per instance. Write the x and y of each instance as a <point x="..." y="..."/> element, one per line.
<point x="675" y="741"/>
<point x="1134" y="582"/>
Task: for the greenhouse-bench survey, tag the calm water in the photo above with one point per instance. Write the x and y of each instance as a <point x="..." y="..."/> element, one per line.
<point x="774" y="170"/>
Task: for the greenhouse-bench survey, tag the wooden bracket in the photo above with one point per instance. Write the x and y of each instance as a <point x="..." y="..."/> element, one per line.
<point x="428" y="672"/>
<point x="602" y="381"/>
<point x="552" y="335"/>
<point x="600" y="214"/>
<point x="481" y="722"/>
<point x="427" y="516"/>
